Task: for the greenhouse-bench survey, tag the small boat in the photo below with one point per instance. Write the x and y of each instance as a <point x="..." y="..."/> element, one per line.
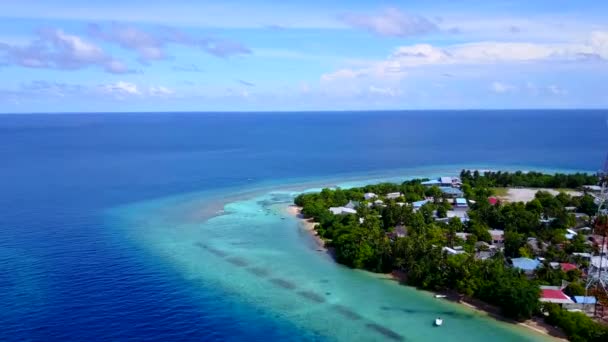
<point x="438" y="322"/>
<point x="440" y="296"/>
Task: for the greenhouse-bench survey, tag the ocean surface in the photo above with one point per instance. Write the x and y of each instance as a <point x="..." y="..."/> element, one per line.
<point x="172" y="226"/>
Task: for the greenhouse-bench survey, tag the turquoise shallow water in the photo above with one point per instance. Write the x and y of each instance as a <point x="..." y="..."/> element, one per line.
<point x="246" y="245"/>
<point x="101" y="216"/>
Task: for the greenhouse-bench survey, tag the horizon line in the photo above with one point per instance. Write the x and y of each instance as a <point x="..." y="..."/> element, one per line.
<point x="305" y="111"/>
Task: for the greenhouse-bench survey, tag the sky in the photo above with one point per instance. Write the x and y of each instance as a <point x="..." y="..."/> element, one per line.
<point x="119" y="56"/>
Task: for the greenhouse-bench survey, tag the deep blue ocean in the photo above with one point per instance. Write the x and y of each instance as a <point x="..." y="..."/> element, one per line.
<point x="65" y="275"/>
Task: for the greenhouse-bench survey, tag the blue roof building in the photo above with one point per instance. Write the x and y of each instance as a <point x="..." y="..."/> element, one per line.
<point x="525" y="264"/>
<point x="461" y="202"/>
<point x="420" y="203"/>
<point x="585" y="300"/>
<point x="453" y="192"/>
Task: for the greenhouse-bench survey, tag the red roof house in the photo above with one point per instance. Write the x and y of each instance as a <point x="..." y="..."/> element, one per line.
<point x="493" y="200"/>
<point x="567" y="267"/>
<point x="553" y="294"/>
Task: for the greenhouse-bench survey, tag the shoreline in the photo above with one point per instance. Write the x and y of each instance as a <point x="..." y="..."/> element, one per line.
<point x="309" y="226"/>
<point x="534" y="324"/>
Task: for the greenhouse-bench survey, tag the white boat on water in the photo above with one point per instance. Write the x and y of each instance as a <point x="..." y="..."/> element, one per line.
<point x="438" y="322"/>
<point x="440" y="296"/>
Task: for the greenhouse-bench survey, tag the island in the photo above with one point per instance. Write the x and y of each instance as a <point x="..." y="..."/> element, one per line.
<point x="521" y="244"/>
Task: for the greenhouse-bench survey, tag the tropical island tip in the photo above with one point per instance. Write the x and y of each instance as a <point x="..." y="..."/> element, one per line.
<point x="524" y="247"/>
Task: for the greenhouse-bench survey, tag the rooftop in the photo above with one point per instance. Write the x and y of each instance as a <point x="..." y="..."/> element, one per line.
<point x="556" y="296"/>
<point x="585" y="299"/>
<point x="567" y="267"/>
<point x="445" y="180"/>
<point x="419" y="204"/>
<point x="525" y="264"/>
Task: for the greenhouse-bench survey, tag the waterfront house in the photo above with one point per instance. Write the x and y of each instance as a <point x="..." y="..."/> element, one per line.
<point x="526" y="264"/>
<point x="554" y="294"/>
<point x="583" y="303"/>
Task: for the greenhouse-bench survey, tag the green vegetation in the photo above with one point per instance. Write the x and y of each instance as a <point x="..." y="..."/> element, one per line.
<point x="368" y="239"/>
<point x="526" y="179"/>
<point x="577" y="326"/>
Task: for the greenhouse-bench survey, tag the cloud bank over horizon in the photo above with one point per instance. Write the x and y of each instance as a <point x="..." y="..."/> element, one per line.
<point x="302" y="56"/>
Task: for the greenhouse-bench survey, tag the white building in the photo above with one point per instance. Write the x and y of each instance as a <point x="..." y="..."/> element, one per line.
<point x="393" y="195"/>
<point x="369" y="195"/>
<point x="342" y="211"/>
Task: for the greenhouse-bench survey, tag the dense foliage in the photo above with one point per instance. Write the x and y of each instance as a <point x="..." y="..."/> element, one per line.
<point x="368" y="239"/>
<point x="577" y="326"/>
<point x="526" y="179"/>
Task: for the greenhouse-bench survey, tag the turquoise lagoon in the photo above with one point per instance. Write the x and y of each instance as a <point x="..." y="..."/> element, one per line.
<point x="246" y="244"/>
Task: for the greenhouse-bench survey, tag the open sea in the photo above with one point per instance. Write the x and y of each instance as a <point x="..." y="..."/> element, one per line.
<point x="172" y="226"/>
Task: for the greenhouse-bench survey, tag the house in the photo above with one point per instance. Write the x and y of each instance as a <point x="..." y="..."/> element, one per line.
<point x="393" y="195"/>
<point x="583" y="303"/>
<point x="352" y="204"/>
<point x="419" y="204"/>
<point x="379" y="203"/>
<point x="342" y="210"/>
<point x="498" y="235"/>
<point x="583" y="255"/>
<point x="492" y="200"/>
<point x="565" y="266"/>
<point x="461" y="203"/>
<point x="369" y="195"/>
<point x="451" y="192"/>
<point x="432" y="182"/>
<point x="445" y="181"/>
<point x="452" y="251"/>
<point x="554" y="294"/>
<point x="570" y="234"/>
<point x="463" y="236"/>
<point x="592" y="188"/>
<point x="525" y="264"/>
<point x="537" y="246"/>
<point x="484" y="255"/>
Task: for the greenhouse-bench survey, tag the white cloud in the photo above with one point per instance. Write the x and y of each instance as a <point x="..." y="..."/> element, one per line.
<point x="122" y="87"/>
<point x="479" y="53"/>
<point x="391" y="22"/>
<point x="387" y="91"/>
<point x="501" y="88"/>
<point x="56" y="49"/>
<point x="160" y="91"/>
